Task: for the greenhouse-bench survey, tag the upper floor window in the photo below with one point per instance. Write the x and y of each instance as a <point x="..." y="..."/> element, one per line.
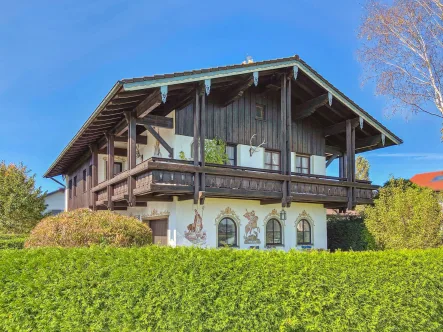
<point x="273" y="232"/>
<point x="304" y="234"/>
<point x="118" y="168"/>
<point x="70" y="188"/>
<point x="75" y="186"/>
<point x="227" y="233"/>
<point x="272" y="160"/>
<point x="302" y="164"/>
<point x="260" y="111"/>
<point x="231" y="151"/>
<point x="84" y="180"/>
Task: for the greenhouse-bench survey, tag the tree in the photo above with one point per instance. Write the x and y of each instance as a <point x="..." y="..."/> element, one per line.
<point x="215" y="151"/>
<point x="22" y="205"/>
<point x="402" y="51"/>
<point x="361" y="168"/>
<point x="405" y="216"/>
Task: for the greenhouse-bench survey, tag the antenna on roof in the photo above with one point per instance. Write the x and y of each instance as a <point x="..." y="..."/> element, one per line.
<point x="249" y="59"/>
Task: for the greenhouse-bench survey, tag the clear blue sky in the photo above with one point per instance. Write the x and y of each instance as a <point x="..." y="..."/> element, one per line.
<point x="58" y="59"/>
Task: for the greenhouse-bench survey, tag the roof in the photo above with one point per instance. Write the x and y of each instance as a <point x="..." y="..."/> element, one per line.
<point x="59" y="190"/>
<point x="433" y="180"/>
<point x="126" y="94"/>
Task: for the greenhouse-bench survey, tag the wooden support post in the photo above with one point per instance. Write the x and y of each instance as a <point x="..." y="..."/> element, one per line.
<point x="283" y="137"/>
<point x="94" y="175"/>
<point x="349" y="161"/>
<point x="196" y="144"/>
<point x="202" y="148"/>
<point x="289" y="137"/>
<point x="353" y="164"/>
<point x="132" y="158"/>
<point x="110" y="172"/>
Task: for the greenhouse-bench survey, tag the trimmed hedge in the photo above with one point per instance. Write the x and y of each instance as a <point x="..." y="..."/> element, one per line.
<point x="192" y="289"/>
<point x="12" y="241"/>
<point x="84" y="228"/>
<point x="349" y="233"/>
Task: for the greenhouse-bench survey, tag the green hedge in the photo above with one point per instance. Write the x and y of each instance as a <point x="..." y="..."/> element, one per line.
<point x="12" y="241"/>
<point x="191" y="289"/>
<point x="349" y="233"/>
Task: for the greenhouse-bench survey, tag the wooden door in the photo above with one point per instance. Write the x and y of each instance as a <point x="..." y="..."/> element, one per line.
<point x="159" y="231"/>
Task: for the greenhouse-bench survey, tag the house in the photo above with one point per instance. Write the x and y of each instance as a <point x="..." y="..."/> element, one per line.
<point x="139" y="154"/>
<point x="433" y="180"/>
<point x="55" y="201"/>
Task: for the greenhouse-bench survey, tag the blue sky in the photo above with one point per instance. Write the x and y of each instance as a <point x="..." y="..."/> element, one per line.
<point x="58" y="59"/>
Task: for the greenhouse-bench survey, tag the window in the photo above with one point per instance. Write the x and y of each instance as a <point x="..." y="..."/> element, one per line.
<point x="70" y="188"/>
<point x="260" y="111"/>
<point x="75" y="186"/>
<point x="231" y="151"/>
<point x="272" y="160"/>
<point x="304" y="232"/>
<point x="84" y="180"/>
<point x="118" y="168"/>
<point x="302" y="164"/>
<point x="273" y="232"/>
<point x="227" y="233"/>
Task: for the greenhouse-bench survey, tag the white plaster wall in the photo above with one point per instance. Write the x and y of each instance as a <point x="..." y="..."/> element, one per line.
<point x="318" y="165"/>
<point x="182" y="143"/>
<point x="56" y="201"/>
<point x="257" y="160"/>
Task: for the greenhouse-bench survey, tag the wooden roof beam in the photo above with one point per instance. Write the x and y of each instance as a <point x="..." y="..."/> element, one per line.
<point x="150" y="103"/>
<point x="340" y="127"/>
<point x="368" y="142"/>
<point x="156" y="121"/>
<point x="139" y="139"/>
<point x="309" y="107"/>
<point x="237" y="92"/>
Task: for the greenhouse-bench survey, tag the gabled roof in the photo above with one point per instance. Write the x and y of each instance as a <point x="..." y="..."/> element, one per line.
<point x="128" y="93"/>
<point x="433" y="180"/>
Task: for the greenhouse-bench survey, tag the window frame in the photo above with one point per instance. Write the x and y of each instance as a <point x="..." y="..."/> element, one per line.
<point x="75" y="186"/>
<point x="115" y="163"/>
<point x="70" y="188"/>
<point x="263" y="112"/>
<point x="272" y="152"/>
<point x="234" y="146"/>
<point x="303" y="231"/>
<point x="85" y="176"/>
<point x="273" y="232"/>
<point x="300" y="169"/>
<point x="236" y="244"/>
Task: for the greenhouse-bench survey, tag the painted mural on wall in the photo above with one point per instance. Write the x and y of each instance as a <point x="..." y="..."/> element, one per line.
<point x="252" y="230"/>
<point x="195" y="232"/>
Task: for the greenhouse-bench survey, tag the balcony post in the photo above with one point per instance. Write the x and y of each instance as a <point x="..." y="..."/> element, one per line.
<point x="94" y="175"/>
<point x="289" y="138"/>
<point x="350" y="159"/>
<point x="196" y="143"/>
<point x="110" y="171"/>
<point x="283" y="138"/>
<point x="202" y="147"/>
<point x="131" y="154"/>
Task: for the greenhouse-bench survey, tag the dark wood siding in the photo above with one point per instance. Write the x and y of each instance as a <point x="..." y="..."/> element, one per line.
<point x="81" y="199"/>
<point x="236" y="123"/>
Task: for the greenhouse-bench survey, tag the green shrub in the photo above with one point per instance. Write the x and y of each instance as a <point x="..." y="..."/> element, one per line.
<point x="12" y="241"/>
<point x="348" y="233"/>
<point x="191" y="289"/>
<point x="84" y="228"/>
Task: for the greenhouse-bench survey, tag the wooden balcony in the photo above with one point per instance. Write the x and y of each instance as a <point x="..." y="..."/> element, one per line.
<point x="160" y="179"/>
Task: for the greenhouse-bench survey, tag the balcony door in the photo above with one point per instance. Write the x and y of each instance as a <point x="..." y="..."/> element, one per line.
<point x="159" y="229"/>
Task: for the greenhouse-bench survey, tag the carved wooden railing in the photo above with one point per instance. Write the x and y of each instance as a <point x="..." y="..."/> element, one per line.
<point x="176" y="176"/>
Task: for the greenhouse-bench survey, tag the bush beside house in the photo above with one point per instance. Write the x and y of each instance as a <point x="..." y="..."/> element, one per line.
<point x="84" y="228"/>
<point x="190" y="289"/>
<point x="12" y="241"/>
<point x="348" y="232"/>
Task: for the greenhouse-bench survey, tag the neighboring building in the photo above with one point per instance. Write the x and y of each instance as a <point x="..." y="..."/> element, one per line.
<point x="55" y="201"/>
<point x="433" y="180"/>
<point x="284" y="124"/>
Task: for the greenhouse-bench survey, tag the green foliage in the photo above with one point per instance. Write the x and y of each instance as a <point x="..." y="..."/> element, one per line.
<point x="405" y="216"/>
<point x="22" y="205"/>
<point x="84" y="228"/>
<point x="12" y="241"/>
<point x="362" y="168"/>
<point x="181" y="155"/>
<point x="192" y="289"/>
<point x="348" y="233"/>
<point x="215" y="151"/>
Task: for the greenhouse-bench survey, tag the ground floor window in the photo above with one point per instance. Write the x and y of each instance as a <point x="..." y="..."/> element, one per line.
<point x="273" y="232"/>
<point x="304" y="233"/>
<point x="227" y="233"/>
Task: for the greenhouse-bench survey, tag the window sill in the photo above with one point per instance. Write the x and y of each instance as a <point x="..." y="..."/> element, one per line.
<point x="270" y="246"/>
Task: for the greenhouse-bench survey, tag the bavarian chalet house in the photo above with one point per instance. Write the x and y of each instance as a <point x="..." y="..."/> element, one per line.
<point x="139" y="154"/>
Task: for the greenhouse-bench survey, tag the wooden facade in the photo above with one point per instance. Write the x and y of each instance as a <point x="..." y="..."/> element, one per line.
<point x="276" y="102"/>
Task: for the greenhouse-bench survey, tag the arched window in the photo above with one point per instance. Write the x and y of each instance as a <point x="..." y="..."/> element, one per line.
<point x="304" y="232"/>
<point x="227" y="233"/>
<point x="273" y="232"/>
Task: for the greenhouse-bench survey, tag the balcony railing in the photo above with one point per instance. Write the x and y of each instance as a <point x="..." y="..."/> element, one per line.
<point x="176" y="177"/>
